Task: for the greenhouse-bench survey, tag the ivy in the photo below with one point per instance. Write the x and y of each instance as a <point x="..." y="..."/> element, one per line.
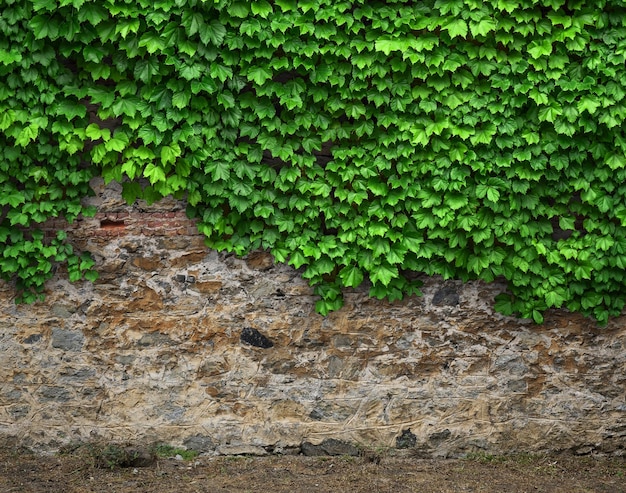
<point x="359" y="142"/>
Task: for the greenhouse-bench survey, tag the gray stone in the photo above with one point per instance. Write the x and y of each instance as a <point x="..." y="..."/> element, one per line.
<point x="32" y="339"/>
<point x="51" y="393"/>
<point x="19" y="411"/>
<point x="517" y="385"/>
<point x="510" y="362"/>
<point x="125" y="359"/>
<point x="439" y="436"/>
<point x="67" y="340"/>
<point x="62" y="311"/>
<point x="241" y="450"/>
<point x="78" y="373"/>
<point x="199" y="443"/>
<point x="406" y="439"/>
<point x="13" y="395"/>
<point x="154" y="339"/>
<point x="330" y="446"/>
<point x="254" y="338"/>
<point x="446" y="296"/>
<point x="342" y="341"/>
<point x="335" y="365"/>
<point x="174" y="413"/>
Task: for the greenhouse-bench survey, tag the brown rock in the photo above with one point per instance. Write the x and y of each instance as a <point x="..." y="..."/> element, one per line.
<point x="189" y="258"/>
<point x="207" y="287"/>
<point x="145" y="299"/>
<point x="260" y="261"/>
<point x="149" y="264"/>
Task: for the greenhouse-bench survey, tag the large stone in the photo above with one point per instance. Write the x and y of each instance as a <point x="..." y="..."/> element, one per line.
<point x="330" y="446"/>
<point x="68" y="340"/>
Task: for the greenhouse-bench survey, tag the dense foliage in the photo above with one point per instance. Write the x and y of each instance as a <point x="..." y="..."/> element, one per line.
<point x="353" y="139"/>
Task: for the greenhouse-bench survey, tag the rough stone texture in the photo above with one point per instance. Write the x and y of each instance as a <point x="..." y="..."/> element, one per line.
<point x="153" y="352"/>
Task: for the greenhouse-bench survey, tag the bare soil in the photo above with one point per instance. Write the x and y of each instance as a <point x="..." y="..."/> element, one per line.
<point x="78" y="472"/>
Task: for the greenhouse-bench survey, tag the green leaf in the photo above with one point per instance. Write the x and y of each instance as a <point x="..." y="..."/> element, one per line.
<point x="170" y="153"/>
<point x="539" y="48"/>
<point x="456" y="200"/>
<point x="324" y="307"/>
<point x="383" y="273"/>
<point x="456" y="27"/>
<point x="125" y="106"/>
<point x="286" y="5"/>
<point x="71" y="109"/>
<point x="91" y="275"/>
<point x="14" y="199"/>
<point x="239" y="9"/>
<point x="154" y="173"/>
<point x="351" y="276"/>
<point x="93" y="13"/>
<point x="214" y="32"/>
<point x="118" y="143"/>
<point x="27" y="135"/>
<point x="221" y="171"/>
<point x="259" y="75"/>
<point x="262" y="8"/>
<point x="588" y="103"/>
<point x="554" y="299"/>
<point x="147" y="68"/>
<point x="93" y="131"/>
<point x="220" y="72"/>
<point x="482" y="27"/>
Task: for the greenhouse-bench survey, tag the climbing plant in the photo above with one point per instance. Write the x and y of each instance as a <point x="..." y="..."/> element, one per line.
<point x="354" y="140"/>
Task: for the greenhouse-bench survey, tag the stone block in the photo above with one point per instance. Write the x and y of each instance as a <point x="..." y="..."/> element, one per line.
<point x="67" y="340"/>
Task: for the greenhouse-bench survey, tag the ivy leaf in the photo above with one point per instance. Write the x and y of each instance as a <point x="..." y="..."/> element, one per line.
<point x="146" y="68"/>
<point x="27" y="134"/>
<point x="456" y="27"/>
<point x="193" y="22"/>
<point x="131" y="191"/>
<point x="383" y="273"/>
<point x="14" y="199"/>
<point x="482" y="27"/>
<point x="351" y="276"/>
<point x="456" y="200"/>
<point x="93" y="13"/>
<point x="213" y="32"/>
<point x="154" y="173"/>
<point x="93" y="131"/>
<point x="259" y="75"/>
<point x="118" y="143"/>
<point x="588" y="103"/>
<point x="539" y="48"/>
<point x="554" y="299"/>
<point x="239" y="9"/>
<point x="387" y="45"/>
<point x="44" y="27"/>
<point x="262" y="8"/>
<point x="70" y="109"/>
<point x="220" y="72"/>
<point x="286" y="5"/>
<point x="170" y="153"/>
<point x="125" y="106"/>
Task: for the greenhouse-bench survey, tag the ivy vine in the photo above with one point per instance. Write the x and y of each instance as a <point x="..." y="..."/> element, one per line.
<point x="355" y="140"/>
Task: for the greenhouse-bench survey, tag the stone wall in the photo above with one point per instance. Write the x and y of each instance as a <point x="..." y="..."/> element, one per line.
<point x="179" y="344"/>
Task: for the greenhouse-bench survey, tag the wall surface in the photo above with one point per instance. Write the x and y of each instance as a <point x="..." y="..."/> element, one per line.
<point x="179" y="344"/>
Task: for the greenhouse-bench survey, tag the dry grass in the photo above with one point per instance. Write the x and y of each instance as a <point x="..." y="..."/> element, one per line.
<point x="81" y="470"/>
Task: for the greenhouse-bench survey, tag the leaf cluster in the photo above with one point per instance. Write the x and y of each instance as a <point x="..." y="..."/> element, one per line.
<point x="357" y="141"/>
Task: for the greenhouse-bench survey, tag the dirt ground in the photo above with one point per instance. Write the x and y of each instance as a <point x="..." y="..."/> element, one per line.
<point x="78" y="471"/>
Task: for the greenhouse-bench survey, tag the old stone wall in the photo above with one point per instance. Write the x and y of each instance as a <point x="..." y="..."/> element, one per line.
<point x="179" y="344"/>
